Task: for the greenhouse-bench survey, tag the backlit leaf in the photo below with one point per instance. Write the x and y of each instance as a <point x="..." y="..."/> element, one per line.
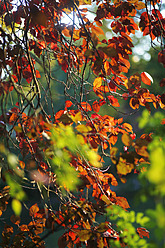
<point x="127" y="127"/>
<point x="33" y="210"/>
<point x="122" y="202"/>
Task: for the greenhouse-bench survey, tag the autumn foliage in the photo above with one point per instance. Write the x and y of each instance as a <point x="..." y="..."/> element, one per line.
<point x="61" y="153"/>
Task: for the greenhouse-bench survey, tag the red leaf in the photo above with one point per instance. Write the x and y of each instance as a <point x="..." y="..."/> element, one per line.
<point x="68" y="104"/>
<point x="142" y="232"/>
<point x="59" y="114"/>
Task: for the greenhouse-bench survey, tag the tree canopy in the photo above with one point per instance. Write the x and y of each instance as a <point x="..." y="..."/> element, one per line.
<point x="74" y="156"/>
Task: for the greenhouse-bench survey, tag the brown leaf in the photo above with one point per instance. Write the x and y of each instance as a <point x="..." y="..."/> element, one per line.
<point x="84" y="234"/>
<point x="162" y="82"/>
<point x="15" y="219"/>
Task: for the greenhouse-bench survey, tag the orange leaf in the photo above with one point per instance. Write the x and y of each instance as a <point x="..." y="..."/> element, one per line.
<point x="134" y="103"/>
<point x="96" y="106"/>
<point x="24" y="228"/>
<point x="66" y="32"/>
<point x="22" y="164"/>
<point x="97" y="30"/>
<point x="146" y="78"/>
<point x="127" y="127"/>
<point x="86" y="106"/>
<point x="33" y="210"/>
<point x="122" y="201"/>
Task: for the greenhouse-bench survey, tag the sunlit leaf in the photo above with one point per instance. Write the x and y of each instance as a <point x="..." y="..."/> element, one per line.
<point x="146" y="78"/>
<point x="106" y="199"/>
<point x="123" y="167"/>
<point x="83" y="129"/>
<point x="17" y="207"/>
<point x="122" y="201"/>
<point x="85" y="2"/>
<point x="97" y="82"/>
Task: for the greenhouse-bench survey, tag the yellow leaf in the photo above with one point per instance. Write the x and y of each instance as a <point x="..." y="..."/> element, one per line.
<point x="16" y="206"/>
<point x="123" y="167"/>
<point x="77" y="117"/>
<point x="97" y="82"/>
<point x="106" y="199"/>
<point x="126" y="139"/>
<point x="84" y="2"/>
<point x="83" y="128"/>
<point x="113" y="152"/>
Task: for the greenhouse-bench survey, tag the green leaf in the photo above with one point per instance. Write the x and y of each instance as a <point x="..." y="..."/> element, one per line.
<point x="16" y="206"/>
